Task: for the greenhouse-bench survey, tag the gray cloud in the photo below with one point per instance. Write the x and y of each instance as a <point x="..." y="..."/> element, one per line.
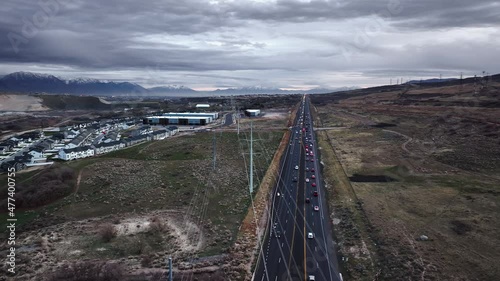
<point x="247" y="42"/>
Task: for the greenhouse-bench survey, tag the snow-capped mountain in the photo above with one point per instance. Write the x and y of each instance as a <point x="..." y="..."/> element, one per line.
<point x="170" y="89"/>
<point x="27" y="82"/>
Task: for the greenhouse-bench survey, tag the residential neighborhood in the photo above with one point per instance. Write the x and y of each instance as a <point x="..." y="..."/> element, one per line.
<point x="42" y="147"/>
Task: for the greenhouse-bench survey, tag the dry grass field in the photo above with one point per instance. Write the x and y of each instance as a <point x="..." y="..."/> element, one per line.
<point x="415" y="182"/>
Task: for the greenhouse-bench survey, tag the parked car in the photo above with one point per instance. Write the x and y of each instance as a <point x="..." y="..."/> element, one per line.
<point x="310" y="235"/>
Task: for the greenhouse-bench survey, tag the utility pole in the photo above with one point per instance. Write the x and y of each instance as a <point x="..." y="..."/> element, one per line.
<point x="214" y="144"/>
<point x="170" y="274"/>
<point x="251" y="157"/>
<point x="238" y="119"/>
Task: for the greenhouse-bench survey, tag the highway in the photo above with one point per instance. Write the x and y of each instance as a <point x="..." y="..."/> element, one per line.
<point x="298" y="243"/>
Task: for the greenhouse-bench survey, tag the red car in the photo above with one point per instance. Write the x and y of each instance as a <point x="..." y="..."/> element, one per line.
<point x="312" y="159"/>
<point x="312" y="170"/>
<point x="313" y="184"/>
<point x="315" y="193"/>
<point x="313" y="177"/>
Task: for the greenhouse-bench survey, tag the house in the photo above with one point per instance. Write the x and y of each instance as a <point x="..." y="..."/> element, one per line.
<point x="57" y="137"/>
<point x="4" y="149"/>
<point x="76" y="153"/>
<point x="160" y="134"/>
<point x="144" y="130"/>
<point x="26" y="158"/>
<point x="47" y="144"/>
<point x="108" y="147"/>
<point x="173" y="130"/>
<point x="137" y="139"/>
<point x="81" y="138"/>
<point x="30" y="136"/>
<point x="36" y="153"/>
<point x="71" y="134"/>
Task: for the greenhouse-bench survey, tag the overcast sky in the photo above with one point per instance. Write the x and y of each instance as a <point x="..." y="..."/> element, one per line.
<point x="216" y="44"/>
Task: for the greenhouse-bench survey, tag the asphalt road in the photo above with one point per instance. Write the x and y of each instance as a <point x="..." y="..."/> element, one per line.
<point x="287" y="251"/>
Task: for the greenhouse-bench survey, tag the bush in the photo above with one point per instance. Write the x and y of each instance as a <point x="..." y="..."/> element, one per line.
<point x="156" y="226"/>
<point x="87" y="271"/>
<point x="50" y="185"/>
<point x="107" y="232"/>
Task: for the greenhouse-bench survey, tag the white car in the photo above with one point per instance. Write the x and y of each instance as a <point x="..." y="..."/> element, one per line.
<point x="296" y="167"/>
<point x="310" y="235"/>
<point x="311" y="278"/>
<point x="307" y="179"/>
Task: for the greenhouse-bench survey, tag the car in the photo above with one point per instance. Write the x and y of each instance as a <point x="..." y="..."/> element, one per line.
<point x="311" y="278"/>
<point x="313" y="177"/>
<point x="294" y="179"/>
<point x="315" y="193"/>
<point x="310" y="235"/>
<point x="307" y="168"/>
<point x="316" y="208"/>
<point x="307" y="158"/>
<point x="277" y="233"/>
<point x="296" y="167"/>
<point x="312" y="159"/>
<point x="312" y="170"/>
<point x="308" y="200"/>
<point x="307" y="179"/>
<point x="313" y="184"/>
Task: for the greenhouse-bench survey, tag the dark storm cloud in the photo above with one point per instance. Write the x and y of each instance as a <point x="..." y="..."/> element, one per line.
<point x="125" y="35"/>
<point x="404" y="13"/>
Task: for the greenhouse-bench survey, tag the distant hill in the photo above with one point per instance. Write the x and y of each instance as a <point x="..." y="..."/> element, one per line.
<point x="434" y="80"/>
<point x="264" y="90"/>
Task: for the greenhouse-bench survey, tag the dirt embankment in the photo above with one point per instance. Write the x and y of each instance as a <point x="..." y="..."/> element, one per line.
<point x="21" y="103"/>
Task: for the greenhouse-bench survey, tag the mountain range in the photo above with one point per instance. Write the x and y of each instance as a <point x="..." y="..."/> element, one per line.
<point x="28" y="82"/>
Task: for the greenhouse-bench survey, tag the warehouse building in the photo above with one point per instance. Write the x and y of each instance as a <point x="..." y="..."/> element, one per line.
<point x="252" y="112"/>
<point x="213" y="115"/>
<point x="186" y="118"/>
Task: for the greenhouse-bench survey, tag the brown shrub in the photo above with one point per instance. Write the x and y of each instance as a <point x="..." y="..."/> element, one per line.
<point x="156" y="226"/>
<point x="107" y="232"/>
<point x="87" y="271"/>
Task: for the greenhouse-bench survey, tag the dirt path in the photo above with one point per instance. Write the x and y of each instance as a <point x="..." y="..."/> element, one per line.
<point x="403" y="146"/>
<point x="78" y="179"/>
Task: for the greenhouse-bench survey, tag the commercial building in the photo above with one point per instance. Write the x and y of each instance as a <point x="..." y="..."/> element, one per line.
<point x="186" y="118"/>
